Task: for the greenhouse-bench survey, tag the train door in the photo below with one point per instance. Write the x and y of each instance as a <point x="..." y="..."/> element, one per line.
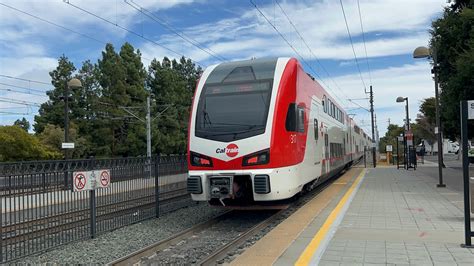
<point x="326" y="152"/>
<point x="315" y="155"/>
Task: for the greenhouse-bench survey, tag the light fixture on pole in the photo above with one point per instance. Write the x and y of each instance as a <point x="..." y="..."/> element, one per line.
<point x="424" y="52"/>
<point x="66" y="145"/>
<point x="406" y="131"/>
<point x="73" y="83"/>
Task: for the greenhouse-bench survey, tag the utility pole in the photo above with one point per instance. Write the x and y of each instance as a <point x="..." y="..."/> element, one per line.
<point x="373" y="125"/>
<point x="66" y="117"/>
<point x="148" y="128"/>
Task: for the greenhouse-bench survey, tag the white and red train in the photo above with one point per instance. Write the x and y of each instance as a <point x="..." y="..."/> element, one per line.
<point x="262" y="130"/>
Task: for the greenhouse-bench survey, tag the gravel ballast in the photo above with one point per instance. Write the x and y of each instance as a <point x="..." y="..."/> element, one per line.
<point x="113" y="245"/>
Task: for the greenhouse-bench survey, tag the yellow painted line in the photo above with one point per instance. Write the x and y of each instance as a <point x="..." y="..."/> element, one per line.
<point x="313" y="246"/>
<point x="340" y="183"/>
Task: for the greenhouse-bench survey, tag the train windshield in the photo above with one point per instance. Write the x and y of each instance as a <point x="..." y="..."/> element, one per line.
<point x="234" y="102"/>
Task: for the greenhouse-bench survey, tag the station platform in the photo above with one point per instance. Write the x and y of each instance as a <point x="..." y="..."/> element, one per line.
<point x="381" y="216"/>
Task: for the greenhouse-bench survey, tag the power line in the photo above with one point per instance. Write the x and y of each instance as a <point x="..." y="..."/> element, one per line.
<point x="363" y="38"/>
<point x="309" y="48"/>
<point x="12" y="113"/>
<point x="128" y="30"/>
<point x="360" y="106"/>
<point x="24" y="88"/>
<point x="352" y="45"/>
<point x="180" y="34"/>
<point x="59" y="26"/>
<point x="22" y="92"/>
<point x="27" y="103"/>
<point x="291" y="46"/>
<point x="28" y="80"/>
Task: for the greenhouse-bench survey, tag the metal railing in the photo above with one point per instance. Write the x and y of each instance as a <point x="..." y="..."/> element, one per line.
<point x="39" y="209"/>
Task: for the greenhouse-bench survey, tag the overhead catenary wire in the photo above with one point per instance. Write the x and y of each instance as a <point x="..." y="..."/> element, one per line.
<point x="130" y="31"/>
<point x="352" y="45"/>
<point x="24" y="88"/>
<point x="292" y="47"/>
<point x="13" y="113"/>
<point x="360" y="106"/>
<point x="23" y="79"/>
<point x="23" y="92"/>
<point x="21" y="102"/>
<point x="180" y="34"/>
<point x="59" y="26"/>
<point x="363" y="39"/>
<point x="309" y="49"/>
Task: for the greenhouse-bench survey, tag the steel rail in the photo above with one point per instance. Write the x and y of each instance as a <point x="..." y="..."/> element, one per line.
<point x="221" y="253"/>
<point x="147" y="251"/>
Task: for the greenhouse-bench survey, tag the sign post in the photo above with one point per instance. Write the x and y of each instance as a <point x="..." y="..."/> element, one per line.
<point x="389" y="150"/>
<point x="467" y="113"/>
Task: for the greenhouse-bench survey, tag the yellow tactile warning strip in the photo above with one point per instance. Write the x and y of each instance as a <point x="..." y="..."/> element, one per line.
<point x="313" y="246"/>
<point x="267" y="250"/>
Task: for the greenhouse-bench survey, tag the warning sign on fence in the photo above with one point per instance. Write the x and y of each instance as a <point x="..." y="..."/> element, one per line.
<point x="88" y="180"/>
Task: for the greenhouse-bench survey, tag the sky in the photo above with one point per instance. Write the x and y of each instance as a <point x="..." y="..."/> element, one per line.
<point x="34" y="34"/>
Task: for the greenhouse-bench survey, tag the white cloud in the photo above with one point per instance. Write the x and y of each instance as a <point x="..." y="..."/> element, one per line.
<point x="404" y="24"/>
<point x="393" y="27"/>
<point x="411" y="80"/>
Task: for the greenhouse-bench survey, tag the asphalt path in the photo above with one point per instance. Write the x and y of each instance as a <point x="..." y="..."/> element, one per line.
<point x="452" y="174"/>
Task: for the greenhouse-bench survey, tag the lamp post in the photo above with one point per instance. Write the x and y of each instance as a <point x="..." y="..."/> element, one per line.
<point x="73" y="83"/>
<point x="424" y="52"/>
<point x="407" y="129"/>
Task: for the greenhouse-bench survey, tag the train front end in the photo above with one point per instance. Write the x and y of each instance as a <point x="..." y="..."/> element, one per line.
<point x="230" y="132"/>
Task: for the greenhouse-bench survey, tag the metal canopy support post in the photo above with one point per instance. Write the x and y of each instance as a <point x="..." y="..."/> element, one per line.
<point x="465" y="170"/>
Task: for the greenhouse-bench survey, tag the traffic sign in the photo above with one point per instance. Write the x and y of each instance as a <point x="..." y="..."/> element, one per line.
<point x="80" y="181"/>
<point x="88" y="180"/>
<point x="104" y="177"/>
<point x="67" y="145"/>
<point x="409" y="136"/>
<point x="470" y="109"/>
<point x="389" y="148"/>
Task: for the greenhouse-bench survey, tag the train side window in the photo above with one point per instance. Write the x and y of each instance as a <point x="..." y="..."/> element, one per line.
<point x="330" y="107"/>
<point x="300" y="124"/>
<point x="324" y="102"/>
<point x="316" y="129"/>
<point x="290" y="123"/>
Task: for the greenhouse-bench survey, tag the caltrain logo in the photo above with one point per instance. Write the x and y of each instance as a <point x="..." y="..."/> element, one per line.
<point x="231" y="150"/>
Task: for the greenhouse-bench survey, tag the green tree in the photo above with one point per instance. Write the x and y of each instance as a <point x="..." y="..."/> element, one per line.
<point x="17" y="145"/>
<point x="23" y="123"/>
<point x="52" y="111"/>
<point x="122" y="78"/>
<point x="390" y="138"/>
<point x="452" y="37"/>
<point x="53" y="136"/>
<point x="426" y="121"/>
<point x="172" y="83"/>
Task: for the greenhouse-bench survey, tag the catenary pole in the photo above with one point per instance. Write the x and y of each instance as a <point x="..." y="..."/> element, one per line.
<point x="373" y="126"/>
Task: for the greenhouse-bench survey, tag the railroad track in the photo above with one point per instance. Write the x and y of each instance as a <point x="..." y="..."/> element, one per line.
<point x="151" y="254"/>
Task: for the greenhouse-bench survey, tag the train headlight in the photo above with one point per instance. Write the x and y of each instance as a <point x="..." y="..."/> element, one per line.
<point x="200" y="160"/>
<point x="261" y="157"/>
